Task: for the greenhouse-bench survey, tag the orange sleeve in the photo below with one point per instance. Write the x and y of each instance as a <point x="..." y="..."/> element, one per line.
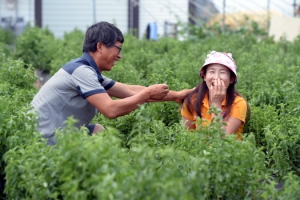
<point x="239" y="109"/>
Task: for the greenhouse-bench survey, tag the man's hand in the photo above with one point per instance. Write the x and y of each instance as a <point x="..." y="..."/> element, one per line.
<point x="157" y="91"/>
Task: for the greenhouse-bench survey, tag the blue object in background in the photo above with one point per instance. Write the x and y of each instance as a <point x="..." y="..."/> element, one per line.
<point x="152" y="31"/>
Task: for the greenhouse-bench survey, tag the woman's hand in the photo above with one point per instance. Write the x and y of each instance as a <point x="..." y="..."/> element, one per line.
<point x="217" y="93"/>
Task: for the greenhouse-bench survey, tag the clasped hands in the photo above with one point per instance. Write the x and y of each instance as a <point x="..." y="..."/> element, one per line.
<point x="162" y="92"/>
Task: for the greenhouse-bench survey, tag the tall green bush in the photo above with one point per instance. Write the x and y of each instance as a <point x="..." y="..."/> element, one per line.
<point x="7" y="36"/>
<point x="37" y="47"/>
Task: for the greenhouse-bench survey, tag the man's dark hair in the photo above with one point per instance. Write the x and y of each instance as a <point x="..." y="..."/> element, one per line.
<point x="103" y="32"/>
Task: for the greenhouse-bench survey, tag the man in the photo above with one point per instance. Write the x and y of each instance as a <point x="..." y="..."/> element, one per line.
<point x="79" y="89"/>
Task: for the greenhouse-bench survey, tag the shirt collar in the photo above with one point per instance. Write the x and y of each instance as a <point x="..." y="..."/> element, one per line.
<point x="205" y="101"/>
<point x="91" y="62"/>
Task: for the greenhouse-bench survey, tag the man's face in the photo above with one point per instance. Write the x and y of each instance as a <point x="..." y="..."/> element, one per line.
<point x="110" y="56"/>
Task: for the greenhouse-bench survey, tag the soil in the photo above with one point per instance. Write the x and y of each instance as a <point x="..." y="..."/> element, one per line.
<point x="42" y="77"/>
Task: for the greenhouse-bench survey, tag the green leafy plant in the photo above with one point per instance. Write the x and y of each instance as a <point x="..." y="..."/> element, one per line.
<point x="149" y="154"/>
<point x="37" y="47"/>
<point x="7" y="36"/>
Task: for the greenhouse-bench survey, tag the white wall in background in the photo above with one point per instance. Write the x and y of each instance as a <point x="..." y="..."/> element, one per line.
<point x="290" y="31"/>
<point x="21" y="8"/>
<point x="160" y="11"/>
<point x="64" y="16"/>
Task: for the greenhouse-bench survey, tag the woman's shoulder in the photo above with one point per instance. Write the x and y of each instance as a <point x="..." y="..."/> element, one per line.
<point x="239" y="97"/>
<point x="239" y="100"/>
<point x="192" y="98"/>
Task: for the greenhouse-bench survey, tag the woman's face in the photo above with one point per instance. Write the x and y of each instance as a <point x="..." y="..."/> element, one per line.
<point x="215" y="72"/>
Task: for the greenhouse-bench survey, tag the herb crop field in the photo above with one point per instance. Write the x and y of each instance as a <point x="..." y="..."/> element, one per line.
<point x="148" y="154"/>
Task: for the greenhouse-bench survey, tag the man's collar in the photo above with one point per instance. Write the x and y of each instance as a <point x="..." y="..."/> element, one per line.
<point x="91" y="62"/>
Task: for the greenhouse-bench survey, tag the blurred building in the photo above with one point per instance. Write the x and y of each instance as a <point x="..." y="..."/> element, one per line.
<point x="297" y="11"/>
<point x="201" y="10"/>
<point x="284" y="27"/>
<point x="234" y="20"/>
<point x="131" y="16"/>
<point x="15" y="14"/>
<point x="60" y="16"/>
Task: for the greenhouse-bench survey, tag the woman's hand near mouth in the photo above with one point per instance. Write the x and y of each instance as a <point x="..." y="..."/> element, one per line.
<point x="217" y="93"/>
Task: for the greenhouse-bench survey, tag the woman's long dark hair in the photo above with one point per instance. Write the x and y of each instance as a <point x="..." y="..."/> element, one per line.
<point x="201" y="90"/>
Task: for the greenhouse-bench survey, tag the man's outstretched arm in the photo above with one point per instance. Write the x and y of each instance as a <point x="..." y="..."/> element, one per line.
<point x="114" y="108"/>
<point x="121" y="90"/>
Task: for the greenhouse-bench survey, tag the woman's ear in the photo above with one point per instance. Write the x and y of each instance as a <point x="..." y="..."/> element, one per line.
<point x="232" y="79"/>
<point x="204" y="76"/>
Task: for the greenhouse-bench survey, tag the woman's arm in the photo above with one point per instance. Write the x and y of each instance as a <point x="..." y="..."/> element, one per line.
<point x="237" y="116"/>
<point x="233" y="125"/>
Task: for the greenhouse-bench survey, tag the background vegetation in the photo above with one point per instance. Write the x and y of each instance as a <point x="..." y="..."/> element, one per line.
<point x="148" y="154"/>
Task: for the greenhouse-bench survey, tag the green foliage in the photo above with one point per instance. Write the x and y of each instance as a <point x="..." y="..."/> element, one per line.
<point x="15" y="74"/>
<point x="28" y="179"/>
<point x="84" y="167"/>
<point x="260" y="119"/>
<point x="4" y="49"/>
<point x="37" y="47"/>
<point x="7" y="36"/>
<point x="148" y="154"/>
<point x="124" y="73"/>
<point x="16" y="90"/>
<point x="283" y="145"/>
<point x="68" y="49"/>
<point x="290" y="189"/>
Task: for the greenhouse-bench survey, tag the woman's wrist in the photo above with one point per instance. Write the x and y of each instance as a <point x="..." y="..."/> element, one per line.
<point x="217" y="105"/>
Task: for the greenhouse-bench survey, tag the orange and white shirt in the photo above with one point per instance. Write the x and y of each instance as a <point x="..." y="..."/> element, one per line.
<point x="238" y="111"/>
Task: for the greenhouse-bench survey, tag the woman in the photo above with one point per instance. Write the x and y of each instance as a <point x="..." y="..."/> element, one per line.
<point x="217" y="89"/>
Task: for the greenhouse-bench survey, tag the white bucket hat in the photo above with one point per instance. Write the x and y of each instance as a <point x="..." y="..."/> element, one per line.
<point x="219" y="58"/>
